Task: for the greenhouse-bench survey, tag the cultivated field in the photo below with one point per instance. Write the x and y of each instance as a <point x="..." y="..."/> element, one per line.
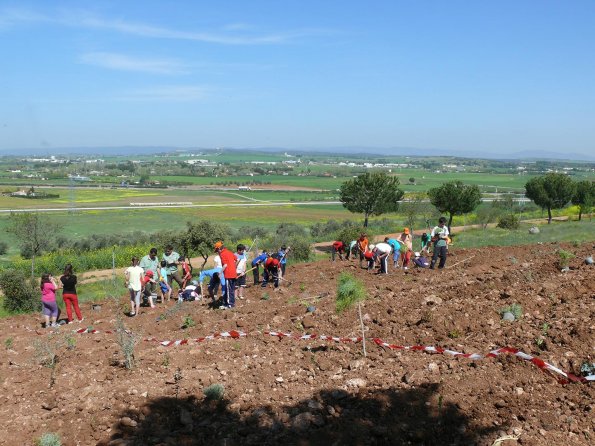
<point x="320" y="392"/>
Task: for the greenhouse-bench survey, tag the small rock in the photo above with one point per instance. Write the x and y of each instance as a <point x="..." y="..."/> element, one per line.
<point x="356" y="364"/>
<point x="533" y="230"/>
<point x="278" y="319"/>
<point x="356" y="382"/>
<point x="433" y="368"/>
<point x="127" y="421"/>
<point x="589" y="260"/>
<point x="315" y="405"/>
<point x="518" y="391"/>
<point x="500" y="404"/>
<point x="279" y="379"/>
<point x="508" y="316"/>
<point x="311" y="309"/>
<point x="432" y="299"/>
<point x="302" y="421"/>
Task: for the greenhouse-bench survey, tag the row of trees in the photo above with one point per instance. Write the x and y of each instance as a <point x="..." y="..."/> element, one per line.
<point x="377" y="193"/>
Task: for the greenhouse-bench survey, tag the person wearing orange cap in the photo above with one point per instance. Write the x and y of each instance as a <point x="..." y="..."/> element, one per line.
<point x="406" y="240"/>
<point x="228" y="264"/>
<point x="362" y="247"/>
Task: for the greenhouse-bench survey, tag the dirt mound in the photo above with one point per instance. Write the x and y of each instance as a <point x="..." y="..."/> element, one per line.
<point x="283" y="390"/>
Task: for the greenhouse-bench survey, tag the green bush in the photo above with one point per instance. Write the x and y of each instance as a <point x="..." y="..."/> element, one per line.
<point x="352" y="232"/>
<point x="49" y="439"/>
<point x="214" y="392"/>
<point x="20" y="294"/>
<point x="509" y="221"/>
<point x="350" y="291"/>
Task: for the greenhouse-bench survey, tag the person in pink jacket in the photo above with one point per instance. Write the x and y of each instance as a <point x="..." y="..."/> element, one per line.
<point x="48" y="300"/>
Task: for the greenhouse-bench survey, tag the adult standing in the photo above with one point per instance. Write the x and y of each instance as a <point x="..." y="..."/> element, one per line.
<point x="150" y="262"/>
<point x="48" y="300"/>
<point x="406" y="239"/>
<point x="69" y="295"/>
<point x="439" y="237"/>
<point x="172" y="258"/>
<point x="134" y="283"/>
<point x="228" y="265"/>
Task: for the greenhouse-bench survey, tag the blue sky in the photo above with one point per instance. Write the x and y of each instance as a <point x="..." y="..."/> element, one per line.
<point x="478" y="76"/>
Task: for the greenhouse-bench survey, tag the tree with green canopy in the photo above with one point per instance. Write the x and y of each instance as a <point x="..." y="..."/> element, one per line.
<point x="584" y="197"/>
<point x="200" y="237"/>
<point x="455" y="198"/>
<point x="371" y="194"/>
<point x="551" y="191"/>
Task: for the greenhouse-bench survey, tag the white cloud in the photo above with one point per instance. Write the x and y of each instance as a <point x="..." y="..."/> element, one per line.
<point x="233" y="34"/>
<point x="167" y="93"/>
<point x="123" y="62"/>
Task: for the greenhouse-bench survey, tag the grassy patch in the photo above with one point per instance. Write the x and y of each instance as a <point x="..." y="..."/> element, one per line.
<point x="556" y="232"/>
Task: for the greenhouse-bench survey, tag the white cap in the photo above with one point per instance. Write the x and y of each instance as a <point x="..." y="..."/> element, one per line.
<point x="416" y="254"/>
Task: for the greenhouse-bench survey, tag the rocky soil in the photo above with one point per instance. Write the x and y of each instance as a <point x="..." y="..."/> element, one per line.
<point x="314" y="392"/>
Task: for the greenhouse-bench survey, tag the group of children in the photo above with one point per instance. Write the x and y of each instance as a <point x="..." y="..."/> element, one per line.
<point x="229" y="274"/>
<point x="400" y="248"/>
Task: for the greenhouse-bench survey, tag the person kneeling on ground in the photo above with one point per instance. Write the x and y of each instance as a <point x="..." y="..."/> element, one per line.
<point x="271" y="271"/>
<point x="190" y="293"/>
<point x="338" y="248"/>
<point x="420" y="261"/>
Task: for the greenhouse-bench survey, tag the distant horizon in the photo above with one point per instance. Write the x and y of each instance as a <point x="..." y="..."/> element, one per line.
<point x="483" y="79"/>
<point x="337" y="151"/>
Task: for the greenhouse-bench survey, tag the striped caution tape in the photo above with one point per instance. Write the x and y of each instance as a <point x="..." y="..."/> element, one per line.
<point x="541" y="364"/>
<point x="91" y="331"/>
<point x="224" y="334"/>
<point x="282" y="335"/>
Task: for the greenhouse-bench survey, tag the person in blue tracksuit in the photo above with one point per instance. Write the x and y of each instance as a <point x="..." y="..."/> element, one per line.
<point x="214" y="282"/>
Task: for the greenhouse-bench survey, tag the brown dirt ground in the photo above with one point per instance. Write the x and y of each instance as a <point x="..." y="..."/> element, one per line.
<point x="323" y="393"/>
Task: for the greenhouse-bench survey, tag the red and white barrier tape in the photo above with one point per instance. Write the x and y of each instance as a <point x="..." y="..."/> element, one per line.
<point x="541" y="364"/>
<point x="91" y="331"/>
<point x="282" y="335"/>
<point x="224" y="334"/>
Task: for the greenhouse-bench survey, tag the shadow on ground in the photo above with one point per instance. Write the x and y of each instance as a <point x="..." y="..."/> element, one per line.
<point x="331" y="417"/>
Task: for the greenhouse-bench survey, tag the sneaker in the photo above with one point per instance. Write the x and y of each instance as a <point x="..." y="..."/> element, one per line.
<point x="132" y="314"/>
<point x="81" y="320"/>
<point x="70" y="322"/>
<point x="405" y="268"/>
<point x="54" y="325"/>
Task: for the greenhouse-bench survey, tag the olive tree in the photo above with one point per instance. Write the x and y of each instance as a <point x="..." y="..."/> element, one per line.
<point x="551" y="191"/>
<point x="584" y="197"/>
<point x="371" y="194"/>
<point x="455" y="198"/>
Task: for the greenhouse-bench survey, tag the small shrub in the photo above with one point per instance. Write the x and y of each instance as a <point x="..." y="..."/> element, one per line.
<point x="265" y="296"/>
<point x="509" y="221"/>
<point x="127" y="340"/>
<point x="214" y="392"/>
<point x="8" y="343"/>
<point x="49" y="439"/>
<point x="188" y="322"/>
<point x="20" y="294"/>
<point x="349" y="292"/>
<point x="564" y="258"/>
<point x="454" y="334"/>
